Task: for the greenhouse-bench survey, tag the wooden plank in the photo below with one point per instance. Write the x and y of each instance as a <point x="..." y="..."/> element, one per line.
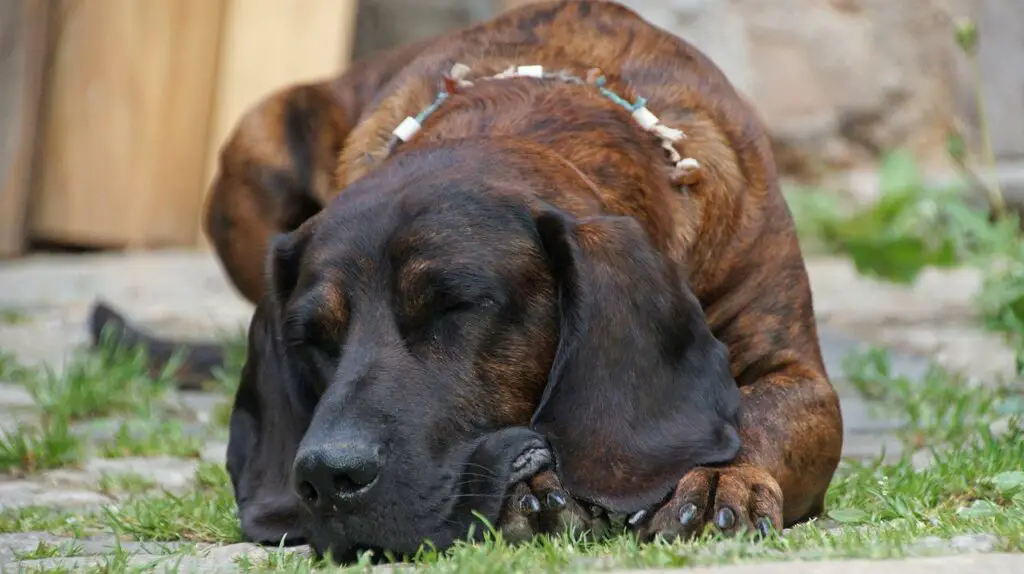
<point x="126" y="124"/>
<point x="268" y="44"/>
<point x="23" y="27"/>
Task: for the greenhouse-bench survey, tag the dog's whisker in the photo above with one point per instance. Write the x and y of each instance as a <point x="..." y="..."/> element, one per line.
<point x="485" y="468"/>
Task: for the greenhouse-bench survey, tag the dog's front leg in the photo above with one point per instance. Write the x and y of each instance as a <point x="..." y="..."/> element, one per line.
<point x="791" y="430"/>
<point x="791" y="425"/>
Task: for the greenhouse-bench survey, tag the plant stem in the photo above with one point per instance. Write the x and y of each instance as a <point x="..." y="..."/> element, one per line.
<point x="995" y="194"/>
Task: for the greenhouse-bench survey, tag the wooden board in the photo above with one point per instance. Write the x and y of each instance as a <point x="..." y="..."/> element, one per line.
<point x="23" y="27"/>
<point x="125" y="126"/>
<point x="268" y="44"/>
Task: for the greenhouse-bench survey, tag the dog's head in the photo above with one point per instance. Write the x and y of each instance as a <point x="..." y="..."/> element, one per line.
<point x="436" y="322"/>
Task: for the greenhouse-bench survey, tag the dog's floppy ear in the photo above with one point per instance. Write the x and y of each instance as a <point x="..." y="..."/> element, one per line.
<point x="271" y="413"/>
<point x="640" y="390"/>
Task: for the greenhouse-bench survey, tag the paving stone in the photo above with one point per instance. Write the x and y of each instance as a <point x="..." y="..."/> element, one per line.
<point x="995" y="563"/>
<point x="866" y="446"/>
<point x="934" y="317"/>
<point x="11" y="421"/>
<point x="185" y="292"/>
<point x="922" y="459"/>
<point x="21" y="493"/>
<point x="1003" y="425"/>
<point x="962" y="544"/>
<point x="252" y="554"/>
<point x="836" y="345"/>
<point x="83" y="563"/>
<point x="212" y="560"/>
<point x="166" y="472"/>
<point x="20" y="543"/>
<point x="214" y="452"/>
<point x="14" y="396"/>
<point x="202" y="405"/>
<point x="975" y="542"/>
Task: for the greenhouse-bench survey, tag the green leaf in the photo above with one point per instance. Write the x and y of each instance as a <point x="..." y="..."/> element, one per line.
<point x="898" y="259"/>
<point x="1006" y="482"/>
<point x="848" y="515"/>
<point x="900" y="175"/>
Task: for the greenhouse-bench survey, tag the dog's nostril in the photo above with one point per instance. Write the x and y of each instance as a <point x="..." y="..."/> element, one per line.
<point x="356" y="477"/>
<point x="308" y="492"/>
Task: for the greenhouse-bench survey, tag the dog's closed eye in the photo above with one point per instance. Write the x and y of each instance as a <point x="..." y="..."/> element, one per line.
<point x="450" y="304"/>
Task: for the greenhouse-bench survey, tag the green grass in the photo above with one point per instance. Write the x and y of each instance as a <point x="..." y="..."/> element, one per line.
<point x="41" y="519"/>
<point x="120" y="484"/>
<point x="145" y="438"/>
<point x="47" y="550"/>
<point x="942" y="408"/>
<point x="98" y="384"/>
<point x="10" y="370"/>
<point x="207" y="513"/>
<point x="29" y="448"/>
<point x="108" y="383"/>
<point x="974" y="485"/>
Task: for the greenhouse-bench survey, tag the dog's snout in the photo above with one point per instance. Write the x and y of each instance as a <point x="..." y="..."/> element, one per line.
<point x="334" y="473"/>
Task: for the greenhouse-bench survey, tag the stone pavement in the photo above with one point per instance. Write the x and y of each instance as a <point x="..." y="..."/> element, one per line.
<point x="987" y="563"/>
<point x="44" y="301"/>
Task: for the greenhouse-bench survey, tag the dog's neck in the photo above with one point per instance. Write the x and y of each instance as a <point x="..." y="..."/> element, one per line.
<point x="626" y="165"/>
<point x="558" y="109"/>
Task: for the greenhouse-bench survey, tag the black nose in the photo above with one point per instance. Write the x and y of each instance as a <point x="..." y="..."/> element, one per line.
<point x="335" y="473"/>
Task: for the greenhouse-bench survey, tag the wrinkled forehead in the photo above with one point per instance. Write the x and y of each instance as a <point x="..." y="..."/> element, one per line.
<point x="460" y="228"/>
<point x="429" y="231"/>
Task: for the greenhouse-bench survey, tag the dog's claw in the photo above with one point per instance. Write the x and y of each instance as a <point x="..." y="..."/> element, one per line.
<point x="687" y="513"/>
<point x="556" y="500"/>
<point x="637" y="518"/>
<point x="764" y="526"/>
<point x="725" y="519"/>
<point x="529" y="505"/>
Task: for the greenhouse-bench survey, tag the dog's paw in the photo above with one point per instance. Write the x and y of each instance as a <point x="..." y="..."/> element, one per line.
<point x="539" y="505"/>
<point x="730" y="499"/>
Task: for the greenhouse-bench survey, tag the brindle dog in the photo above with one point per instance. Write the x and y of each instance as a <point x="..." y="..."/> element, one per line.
<point x="521" y="301"/>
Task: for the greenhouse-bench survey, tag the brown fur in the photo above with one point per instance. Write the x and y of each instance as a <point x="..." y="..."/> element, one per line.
<point x="731" y="229"/>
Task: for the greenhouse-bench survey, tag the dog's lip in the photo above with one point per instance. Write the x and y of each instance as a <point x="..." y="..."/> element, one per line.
<point x="535" y="457"/>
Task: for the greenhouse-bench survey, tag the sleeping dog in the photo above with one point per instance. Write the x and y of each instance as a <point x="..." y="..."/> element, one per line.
<point x="535" y="271"/>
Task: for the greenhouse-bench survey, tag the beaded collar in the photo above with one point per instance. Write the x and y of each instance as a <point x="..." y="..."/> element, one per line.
<point x="685" y="169"/>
